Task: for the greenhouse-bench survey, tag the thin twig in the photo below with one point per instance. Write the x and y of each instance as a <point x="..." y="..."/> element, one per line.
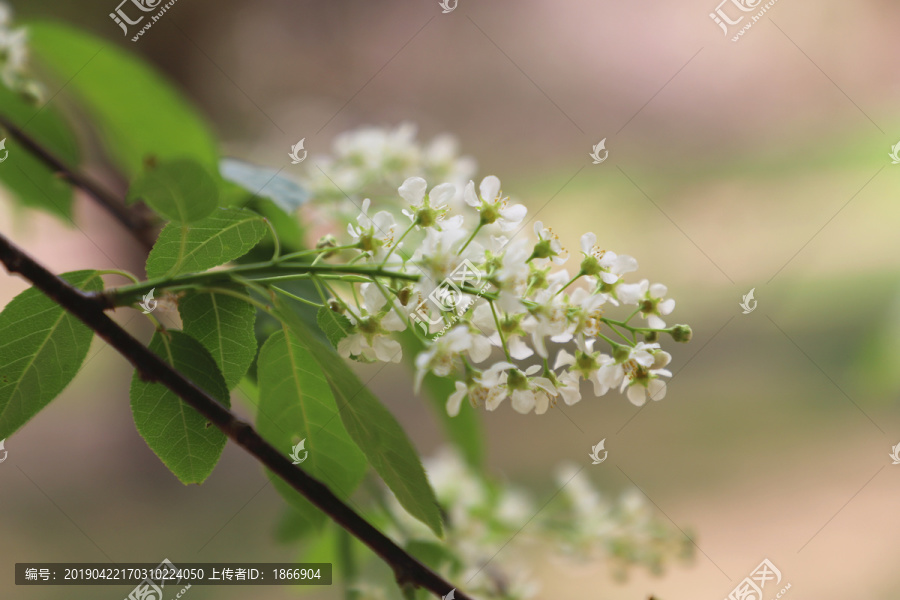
<point x="150" y="367"/>
<point x="140" y="227"/>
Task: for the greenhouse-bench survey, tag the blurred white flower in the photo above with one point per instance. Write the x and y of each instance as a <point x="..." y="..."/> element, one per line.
<point x="370" y="337"/>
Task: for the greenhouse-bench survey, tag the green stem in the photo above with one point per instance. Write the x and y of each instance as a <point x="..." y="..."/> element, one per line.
<point x="124" y="274"/>
<point x="636" y="311"/>
<point x="348" y="562"/>
<point x="275" y="241"/>
<point x="471" y="237"/>
<point x="625" y="325"/>
<point x="500" y="331"/>
<point x="610" y="342"/>
<point x="570" y="282"/>
<point x="397" y="244"/>
<point x="295" y="297"/>
<point x="619" y="333"/>
<point x="131" y="293"/>
<point x="325" y="250"/>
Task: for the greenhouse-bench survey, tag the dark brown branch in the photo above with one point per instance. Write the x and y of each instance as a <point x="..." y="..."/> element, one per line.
<point x="152" y="368"/>
<point x="139" y="226"/>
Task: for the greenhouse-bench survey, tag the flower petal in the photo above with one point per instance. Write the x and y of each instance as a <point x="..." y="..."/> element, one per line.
<point x="490" y="188"/>
<point x="413" y="190"/>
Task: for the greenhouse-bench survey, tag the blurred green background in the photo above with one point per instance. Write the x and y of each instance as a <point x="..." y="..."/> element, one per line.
<point x="759" y="164"/>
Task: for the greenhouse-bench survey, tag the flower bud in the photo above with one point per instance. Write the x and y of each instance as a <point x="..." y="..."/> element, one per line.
<point x="404" y="295"/>
<point x="336" y="306"/>
<point x="651" y="336"/>
<point x="681" y="333"/>
<point x="327" y="241"/>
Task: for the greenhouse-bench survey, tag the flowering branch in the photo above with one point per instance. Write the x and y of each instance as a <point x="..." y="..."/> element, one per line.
<point x="150" y="367"/>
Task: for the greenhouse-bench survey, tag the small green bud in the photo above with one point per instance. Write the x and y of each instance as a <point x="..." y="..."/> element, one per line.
<point x="404" y="295"/>
<point x="681" y="333"/>
<point x="327" y="241"/>
<point x="651" y="336"/>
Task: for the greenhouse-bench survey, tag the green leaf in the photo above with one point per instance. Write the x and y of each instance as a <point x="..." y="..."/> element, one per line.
<point x="180" y="436"/>
<point x="372" y="427"/>
<point x="296" y="403"/>
<point x="41" y="349"/>
<point x="465" y="430"/>
<point x="288" y="227"/>
<point x="432" y="554"/>
<point x="180" y="190"/>
<point x="335" y="325"/>
<point x="225" y="235"/>
<point x="138" y="113"/>
<point x="265" y="182"/>
<point x="32" y="182"/>
<point x="225" y="326"/>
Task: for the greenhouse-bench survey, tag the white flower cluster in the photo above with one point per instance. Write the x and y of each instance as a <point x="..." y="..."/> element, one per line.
<point x="482" y="516"/>
<point x="471" y="285"/>
<point x="14" y="57"/>
<point x="371" y="161"/>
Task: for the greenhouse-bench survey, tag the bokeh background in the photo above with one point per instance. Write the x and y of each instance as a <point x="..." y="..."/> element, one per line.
<point x="758" y="164"/>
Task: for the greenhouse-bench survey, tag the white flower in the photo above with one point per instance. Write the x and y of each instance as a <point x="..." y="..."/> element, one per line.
<point x="598" y="368"/>
<point x="605" y="264"/>
<point x="14" y="57"/>
<point x="373" y="161"/>
<point x="494" y="381"/>
<point x="551" y="317"/>
<point x="371" y="337"/>
<point x="569" y="387"/>
<point x="651" y="300"/>
<point x="443" y="351"/>
<point x="537" y="396"/>
<point x="483" y="320"/>
<point x="588" y="311"/>
<point x="494" y="208"/>
<point x="429" y="210"/>
<point x="642" y="372"/>
<point x="373" y="233"/>
<point x="548" y="245"/>
<point x="485" y="389"/>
